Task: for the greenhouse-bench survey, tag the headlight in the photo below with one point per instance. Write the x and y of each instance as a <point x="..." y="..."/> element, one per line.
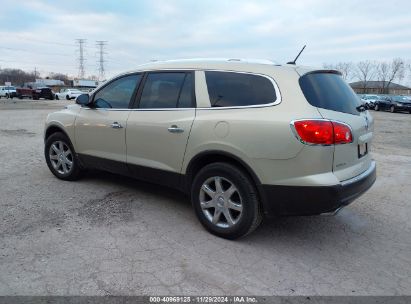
<point x="399" y="104"/>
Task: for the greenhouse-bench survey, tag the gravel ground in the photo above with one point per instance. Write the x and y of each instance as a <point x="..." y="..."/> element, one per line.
<point x="113" y="235"/>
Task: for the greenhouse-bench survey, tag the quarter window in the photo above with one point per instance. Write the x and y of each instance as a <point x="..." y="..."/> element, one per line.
<point x="167" y="90"/>
<point x="117" y="94"/>
<point x="229" y="89"/>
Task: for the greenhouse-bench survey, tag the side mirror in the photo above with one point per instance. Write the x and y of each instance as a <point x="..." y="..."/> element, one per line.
<point x="83" y="99"/>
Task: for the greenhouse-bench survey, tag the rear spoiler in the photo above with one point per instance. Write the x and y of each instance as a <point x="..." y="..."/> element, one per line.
<point x="324" y="72"/>
<point x="304" y="70"/>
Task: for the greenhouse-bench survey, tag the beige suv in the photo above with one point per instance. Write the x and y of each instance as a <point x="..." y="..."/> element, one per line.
<point x="244" y="139"/>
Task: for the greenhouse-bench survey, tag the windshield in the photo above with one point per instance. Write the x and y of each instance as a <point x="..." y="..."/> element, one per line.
<point x="401" y="99"/>
<point x="329" y="91"/>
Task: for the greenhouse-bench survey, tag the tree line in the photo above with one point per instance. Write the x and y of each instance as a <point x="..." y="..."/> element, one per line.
<point x="365" y="71"/>
<point x="19" y="77"/>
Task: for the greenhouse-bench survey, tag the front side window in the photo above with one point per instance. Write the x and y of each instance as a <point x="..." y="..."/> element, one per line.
<point x="167" y="90"/>
<point x="229" y="89"/>
<point x="118" y="93"/>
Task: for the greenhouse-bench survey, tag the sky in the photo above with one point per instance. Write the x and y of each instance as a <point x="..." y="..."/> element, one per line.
<point x="40" y="34"/>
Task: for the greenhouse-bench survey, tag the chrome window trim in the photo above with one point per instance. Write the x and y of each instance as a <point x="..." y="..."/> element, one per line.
<point x="273" y="82"/>
<point x="319" y="119"/>
<point x="134" y="110"/>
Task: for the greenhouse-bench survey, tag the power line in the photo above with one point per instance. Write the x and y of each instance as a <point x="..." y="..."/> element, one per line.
<point x="81" y="43"/>
<point x="101" y="71"/>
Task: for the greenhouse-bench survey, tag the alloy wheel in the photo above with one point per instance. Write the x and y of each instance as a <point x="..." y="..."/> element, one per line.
<point x="61" y="157"/>
<point x="221" y="202"/>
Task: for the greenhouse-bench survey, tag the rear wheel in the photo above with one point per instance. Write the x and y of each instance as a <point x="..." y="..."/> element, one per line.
<point x="67" y="97"/>
<point x="57" y="97"/>
<point x="61" y="157"/>
<point x="225" y="201"/>
<point x="392" y="109"/>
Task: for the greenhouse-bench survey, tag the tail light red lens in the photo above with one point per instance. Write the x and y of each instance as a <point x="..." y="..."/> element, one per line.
<point x="342" y="133"/>
<point x="323" y="132"/>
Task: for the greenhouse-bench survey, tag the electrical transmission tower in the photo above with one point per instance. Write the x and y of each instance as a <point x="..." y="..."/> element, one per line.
<point x="101" y="71"/>
<point x="81" y="43"/>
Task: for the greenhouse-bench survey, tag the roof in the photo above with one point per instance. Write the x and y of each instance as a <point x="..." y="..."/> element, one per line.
<point x="209" y="63"/>
<point x="377" y="85"/>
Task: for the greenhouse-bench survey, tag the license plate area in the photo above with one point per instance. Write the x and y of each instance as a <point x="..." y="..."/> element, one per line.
<point x="362" y="150"/>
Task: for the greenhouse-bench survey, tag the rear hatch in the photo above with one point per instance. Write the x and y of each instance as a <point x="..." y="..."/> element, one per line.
<point x="335" y="100"/>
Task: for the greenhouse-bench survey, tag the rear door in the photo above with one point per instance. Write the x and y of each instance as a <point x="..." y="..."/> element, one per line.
<point x="159" y="126"/>
<point x="335" y="100"/>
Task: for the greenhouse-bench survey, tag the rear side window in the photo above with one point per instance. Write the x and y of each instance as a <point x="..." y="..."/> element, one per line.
<point x="167" y="90"/>
<point x="229" y="89"/>
<point x="329" y="91"/>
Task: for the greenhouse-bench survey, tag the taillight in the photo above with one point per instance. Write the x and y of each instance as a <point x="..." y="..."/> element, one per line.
<point x="342" y="133"/>
<point x="322" y="132"/>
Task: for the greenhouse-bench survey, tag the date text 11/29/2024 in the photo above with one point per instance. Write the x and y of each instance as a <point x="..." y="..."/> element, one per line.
<point x="203" y="299"/>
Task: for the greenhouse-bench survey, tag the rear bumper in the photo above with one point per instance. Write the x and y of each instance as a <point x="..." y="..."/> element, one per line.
<point x="306" y="200"/>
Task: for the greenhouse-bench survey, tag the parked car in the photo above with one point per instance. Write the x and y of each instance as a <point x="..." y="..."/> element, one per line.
<point x="394" y="104"/>
<point x="68" y="94"/>
<point x="8" y="91"/>
<point x="369" y="100"/>
<point x="242" y="139"/>
<point x="34" y="92"/>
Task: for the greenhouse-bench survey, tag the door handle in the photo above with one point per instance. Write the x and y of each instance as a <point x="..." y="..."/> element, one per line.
<point x="175" y="129"/>
<point x="116" y="125"/>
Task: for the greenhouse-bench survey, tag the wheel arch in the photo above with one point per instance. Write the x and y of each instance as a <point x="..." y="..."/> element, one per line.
<point x="207" y="157"/>
<point x="53" y="128"/>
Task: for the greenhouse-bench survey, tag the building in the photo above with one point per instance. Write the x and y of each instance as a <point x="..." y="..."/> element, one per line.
<point x="54" y="84"/>
<point x="379" y="87"/>
<point x="84" y="83"/>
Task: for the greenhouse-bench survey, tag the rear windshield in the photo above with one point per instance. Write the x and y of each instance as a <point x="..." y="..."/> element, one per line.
<point x="329" y="91"/>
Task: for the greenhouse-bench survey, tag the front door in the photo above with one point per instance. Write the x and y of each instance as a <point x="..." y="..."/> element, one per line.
<point x="100" y="130"/>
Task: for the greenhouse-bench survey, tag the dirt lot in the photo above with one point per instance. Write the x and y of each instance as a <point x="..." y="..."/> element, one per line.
<point x="112" y="235"/>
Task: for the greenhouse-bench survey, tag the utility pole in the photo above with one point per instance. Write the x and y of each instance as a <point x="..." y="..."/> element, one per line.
<point x="81" y="43"/>
<point x="101" y="71"/>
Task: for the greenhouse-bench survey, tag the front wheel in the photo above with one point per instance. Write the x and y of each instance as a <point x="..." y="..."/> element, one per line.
<point x="57" y="97"/>
<point x="67" y="97"/>
<point x="392" y="109"/>
<point x="225" y="201"/>
<point x="61" y="157"/>
<point x="376" y="108"/>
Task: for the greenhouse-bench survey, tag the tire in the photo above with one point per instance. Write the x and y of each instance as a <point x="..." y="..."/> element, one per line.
<point x="67" y="97"/>
<point x="392" y="109"/>
<point x="377" y="107"/>
<point x="7" y="96"/>
<point x="57" y="97"/>
<point x="56" y="144"/>
<point x="245" y="213"/>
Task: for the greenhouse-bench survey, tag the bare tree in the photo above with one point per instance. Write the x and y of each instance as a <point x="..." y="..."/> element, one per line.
<point x="345" y="68"/>
<point x="388" y="71"/>
<point x="15" y="76"/>
<point x="364" y="72"/>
